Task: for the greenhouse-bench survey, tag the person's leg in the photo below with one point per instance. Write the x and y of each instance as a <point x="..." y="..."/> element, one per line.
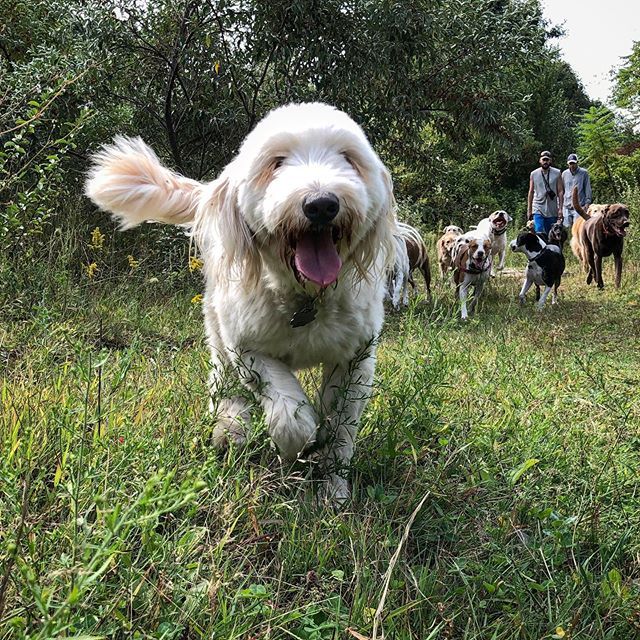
<point x="548" y="223"/>
<point x="538" y="223"/>
<point x="567" y="217"/>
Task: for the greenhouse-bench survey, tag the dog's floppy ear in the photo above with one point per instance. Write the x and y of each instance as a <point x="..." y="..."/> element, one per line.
<point x="381" y="235"/>
<point x="220" y="218"/>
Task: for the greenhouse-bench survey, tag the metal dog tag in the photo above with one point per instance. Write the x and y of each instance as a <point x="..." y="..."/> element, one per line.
<point x="304" y="315"/>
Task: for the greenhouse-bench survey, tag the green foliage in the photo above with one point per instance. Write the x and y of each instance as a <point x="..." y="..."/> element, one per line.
<point x="599" y="140"/>
<point x="626" y="91"/>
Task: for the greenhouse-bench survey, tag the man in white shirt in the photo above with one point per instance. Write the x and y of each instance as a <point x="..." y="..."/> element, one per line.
<point x="575" y="176"/>
<point x="546" y="194"/>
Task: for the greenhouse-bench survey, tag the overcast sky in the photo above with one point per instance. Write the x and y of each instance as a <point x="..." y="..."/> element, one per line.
<point x="598" y="34"/>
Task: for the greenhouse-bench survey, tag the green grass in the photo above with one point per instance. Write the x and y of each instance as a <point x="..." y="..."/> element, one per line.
<point x="118" y="519"/>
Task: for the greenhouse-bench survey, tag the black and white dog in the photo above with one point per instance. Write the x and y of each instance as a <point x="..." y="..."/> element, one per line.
<point x="545" y="267"/>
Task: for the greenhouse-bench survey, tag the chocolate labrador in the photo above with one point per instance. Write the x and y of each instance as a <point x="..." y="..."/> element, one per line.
<point x="599" y="233"/>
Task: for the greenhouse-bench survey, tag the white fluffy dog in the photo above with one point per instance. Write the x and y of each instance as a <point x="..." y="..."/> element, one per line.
<point x="295" y="234"/>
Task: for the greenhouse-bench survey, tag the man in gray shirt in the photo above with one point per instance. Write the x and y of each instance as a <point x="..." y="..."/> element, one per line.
<point x="575" y="176"/>
<point x="546" y="194"/>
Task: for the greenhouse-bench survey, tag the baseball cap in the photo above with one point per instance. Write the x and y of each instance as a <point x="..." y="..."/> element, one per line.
<point x="572" y="157"/>
<point x="545" y="154"/>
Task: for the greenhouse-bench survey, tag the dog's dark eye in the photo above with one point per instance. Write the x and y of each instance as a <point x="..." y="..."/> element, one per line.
<point x="278" y="162"/>
<point x="351" y="161"/>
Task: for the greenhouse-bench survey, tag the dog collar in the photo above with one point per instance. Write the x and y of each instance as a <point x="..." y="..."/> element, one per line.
<point x="501" y="232"/>
<point x="535" y="258"/>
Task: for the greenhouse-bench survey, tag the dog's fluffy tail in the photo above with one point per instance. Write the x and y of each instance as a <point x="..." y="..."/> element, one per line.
<point x="410" y="233"/>
<point x="128" y="180"/>
<point x="576" y="204"/>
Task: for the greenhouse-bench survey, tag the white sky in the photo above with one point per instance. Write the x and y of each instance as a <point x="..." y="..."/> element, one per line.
<point x="598" y="34"/>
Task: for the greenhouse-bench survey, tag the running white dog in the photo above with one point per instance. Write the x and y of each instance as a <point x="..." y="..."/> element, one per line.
<point x="495" y="228"/>
<point x="295" y="234"/>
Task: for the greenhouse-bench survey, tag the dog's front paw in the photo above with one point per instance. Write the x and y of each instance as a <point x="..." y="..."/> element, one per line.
<point x="334" y="491"/>
<point x="233" y="420"/>
<point x="292" y="428"/>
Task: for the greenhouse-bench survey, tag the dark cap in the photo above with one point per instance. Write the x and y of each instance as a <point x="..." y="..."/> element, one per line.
<point x="545" y="154"/>
<point x="572" y="157"/>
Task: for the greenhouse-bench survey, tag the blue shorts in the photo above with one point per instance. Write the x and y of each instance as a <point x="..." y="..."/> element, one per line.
<point x="541" y="223"/>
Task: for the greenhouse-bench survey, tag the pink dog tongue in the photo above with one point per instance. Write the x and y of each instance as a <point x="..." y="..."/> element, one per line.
<point x="316" y="257"/>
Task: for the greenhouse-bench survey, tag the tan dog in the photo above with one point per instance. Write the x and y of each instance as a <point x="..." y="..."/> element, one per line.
<point x="599" y="233"/>
<point x="445" y="246"/>
<point x="472" y="267"/>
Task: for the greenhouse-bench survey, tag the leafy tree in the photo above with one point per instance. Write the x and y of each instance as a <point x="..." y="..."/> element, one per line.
<point x="599" y="141"/>
<point x="626" y="92"/>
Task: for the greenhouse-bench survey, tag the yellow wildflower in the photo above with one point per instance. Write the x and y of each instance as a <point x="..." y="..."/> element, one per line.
<point x="560" y="632"/>
<point x="195" y="264"/>
<point x="91" y="270"/>
<point x="133" y="263"/>
<point x="97" y="238"/>
<point x="196" y="299"/>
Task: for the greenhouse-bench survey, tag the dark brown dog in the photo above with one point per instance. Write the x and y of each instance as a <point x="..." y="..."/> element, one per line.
<point x="599" y="233"/>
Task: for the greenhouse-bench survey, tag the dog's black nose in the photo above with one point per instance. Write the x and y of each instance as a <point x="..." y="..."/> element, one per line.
<point x="321" y="208"/>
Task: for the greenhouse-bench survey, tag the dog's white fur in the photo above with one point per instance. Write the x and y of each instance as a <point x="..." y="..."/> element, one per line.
<point x="245" y="224"/>
<point x="398" y="282"/>
<point x="489" y="228"/>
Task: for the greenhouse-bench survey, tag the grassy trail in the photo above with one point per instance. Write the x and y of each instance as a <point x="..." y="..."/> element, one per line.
<point x="522" y="428"/>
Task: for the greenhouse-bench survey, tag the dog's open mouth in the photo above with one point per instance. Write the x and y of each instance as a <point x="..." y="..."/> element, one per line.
<point x="316" y="255"/>
<point x="620" y="229"/>
<point x="499" y="224"/>
<point x="477" y="263"/>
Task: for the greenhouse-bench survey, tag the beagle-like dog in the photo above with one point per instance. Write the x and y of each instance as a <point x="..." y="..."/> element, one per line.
<point x="472" y="267"/>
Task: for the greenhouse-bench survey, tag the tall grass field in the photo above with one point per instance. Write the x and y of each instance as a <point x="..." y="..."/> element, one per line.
<point x="496" y="480"/>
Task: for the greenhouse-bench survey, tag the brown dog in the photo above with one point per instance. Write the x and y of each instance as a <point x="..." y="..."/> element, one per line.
<point x="418" y="255"/>
<point x="445" y="247"/>
<point x="599" y="233"/>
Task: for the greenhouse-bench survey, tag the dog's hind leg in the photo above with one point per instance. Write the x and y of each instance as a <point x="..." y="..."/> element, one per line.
<point x="543" y="297"/>
<point x="346" y="389"/>
<point x="590" y="262"/>
<point x="426" y="272"/>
